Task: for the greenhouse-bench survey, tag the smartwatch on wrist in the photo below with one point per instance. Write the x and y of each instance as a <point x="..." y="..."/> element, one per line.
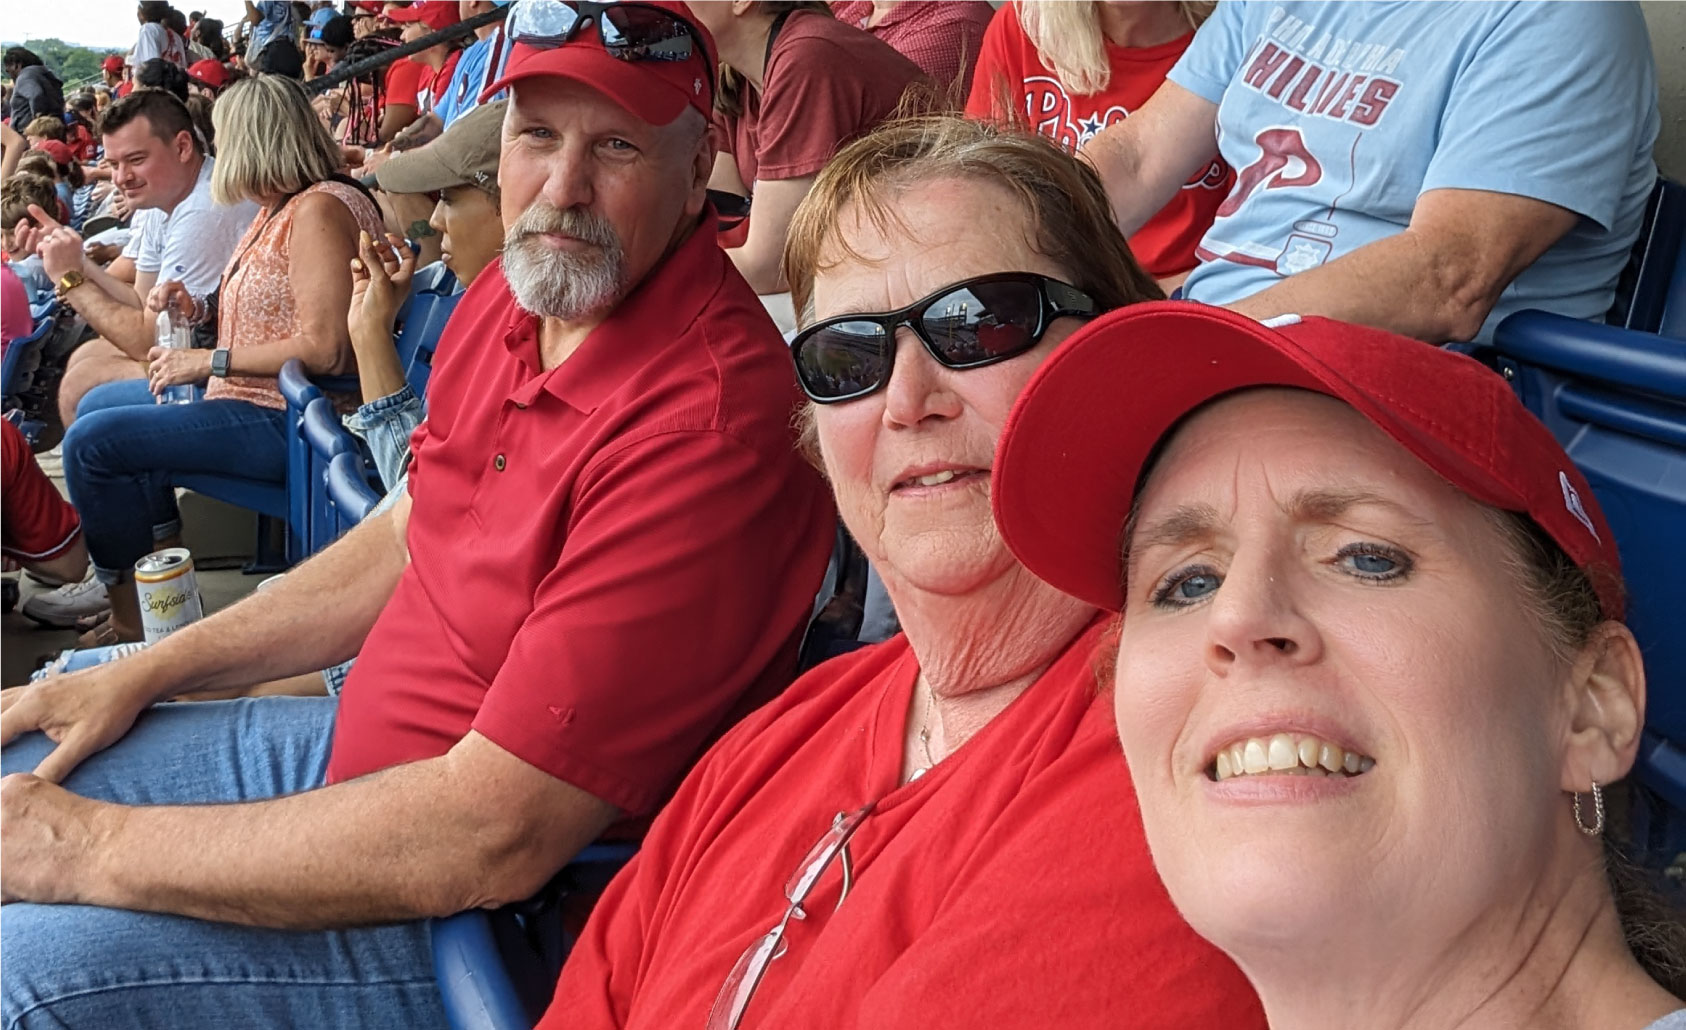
<point x="219" y="362"/>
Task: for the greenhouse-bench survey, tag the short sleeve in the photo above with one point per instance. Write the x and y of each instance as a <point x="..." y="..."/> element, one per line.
<point x="149" y="256"/>
<point x="150" y="45"/>
<point x="995" y="71"/>
<point x="403" y="80"/>
<point x="636" y="647"/>
<point x="806" y="113"/>
<point x="1554" y="105"/>
<point x="1211" y="61"/>
<point x="184" y="254"/>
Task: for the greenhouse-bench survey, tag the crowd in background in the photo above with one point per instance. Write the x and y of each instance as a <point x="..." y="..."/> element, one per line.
<point x="655" y="211"/>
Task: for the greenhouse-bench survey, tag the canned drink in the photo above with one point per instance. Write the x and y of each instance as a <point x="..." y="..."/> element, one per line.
<point x="169" y="592"/>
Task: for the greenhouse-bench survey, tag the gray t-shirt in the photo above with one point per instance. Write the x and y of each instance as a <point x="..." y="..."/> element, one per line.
<point x="1672" y="1021"/>
<point x="193" y="243"/>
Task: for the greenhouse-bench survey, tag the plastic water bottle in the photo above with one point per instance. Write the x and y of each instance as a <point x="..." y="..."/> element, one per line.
<point x="176" y="335"/>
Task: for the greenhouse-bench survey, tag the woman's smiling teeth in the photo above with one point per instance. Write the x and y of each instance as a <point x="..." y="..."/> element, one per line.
<point x="1288" y="755"/>
<point x="936" y="479"/>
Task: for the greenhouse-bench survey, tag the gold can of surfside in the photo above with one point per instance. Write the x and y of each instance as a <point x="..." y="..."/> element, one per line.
<point x="169" y="592"/>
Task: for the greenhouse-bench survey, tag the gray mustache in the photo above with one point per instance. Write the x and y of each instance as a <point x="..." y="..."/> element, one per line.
<point x="575" y="222"/>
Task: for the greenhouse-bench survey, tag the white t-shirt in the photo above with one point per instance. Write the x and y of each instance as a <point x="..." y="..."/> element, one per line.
<point x="158" y="41"/>
<point x="192" y="244"/>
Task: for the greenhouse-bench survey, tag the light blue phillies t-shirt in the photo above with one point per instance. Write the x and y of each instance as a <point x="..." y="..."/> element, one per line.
<point x="1337" y="116"/>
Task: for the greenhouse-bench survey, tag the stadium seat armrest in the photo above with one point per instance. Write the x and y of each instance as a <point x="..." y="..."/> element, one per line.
<point x="1610" y="354"/>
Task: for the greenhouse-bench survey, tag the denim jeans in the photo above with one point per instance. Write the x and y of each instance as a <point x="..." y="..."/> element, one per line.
<point x="385" y="424"/>
<point x="82" y="966"/>
<point x="124" y="452"/>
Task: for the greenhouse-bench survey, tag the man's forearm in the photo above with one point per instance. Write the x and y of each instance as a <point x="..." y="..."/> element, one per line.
<point x="1397" y="283"/>
<point x="127" y="328"/>
<point x="414" y="841"/>
<point x="316" y="616"/>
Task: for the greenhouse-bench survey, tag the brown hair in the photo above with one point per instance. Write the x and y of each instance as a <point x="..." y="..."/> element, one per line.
<point x="163" y="111"/>
<point x="729" y="85"/>
<point x="1063" y="196"/>
<point x="22" y="190"/>
<point x="37" y="162"/>
<point x="46" y="126"/>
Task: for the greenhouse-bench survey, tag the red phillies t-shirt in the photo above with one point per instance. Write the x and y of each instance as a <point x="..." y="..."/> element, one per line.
<point x="1010" y="69"/>
<point x="1009" y="888"/>
<point x="431" y="86"/>
<point x="825" y="83"/>
<point x="608" y="560"/>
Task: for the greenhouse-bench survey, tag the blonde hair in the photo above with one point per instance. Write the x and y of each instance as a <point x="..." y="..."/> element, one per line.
<point x="269" y="141"/>
<point x="1067" y="36"/>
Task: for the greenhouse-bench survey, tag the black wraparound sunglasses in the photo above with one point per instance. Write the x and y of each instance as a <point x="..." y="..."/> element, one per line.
<point x="968" y="324"/>
<point x="629" y="31"/>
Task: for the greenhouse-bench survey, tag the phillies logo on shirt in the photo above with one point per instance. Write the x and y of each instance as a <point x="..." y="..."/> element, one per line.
<point x="1347" y="80"/>
<point x="1048" y="108"/>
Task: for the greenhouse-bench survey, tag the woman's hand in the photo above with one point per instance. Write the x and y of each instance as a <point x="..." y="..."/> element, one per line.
<point x="380" y="280"/>
<point x="172" y="294"/>
<point x="172" y="366"/>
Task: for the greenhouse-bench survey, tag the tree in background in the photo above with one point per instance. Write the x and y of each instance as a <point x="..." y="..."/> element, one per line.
<point x="71" y="63"/>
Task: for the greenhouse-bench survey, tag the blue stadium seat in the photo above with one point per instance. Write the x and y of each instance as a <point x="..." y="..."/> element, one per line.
<point x="434" y="293"/>
<point x="497" y="970"/>
<point x="349" y="492"/>
<point x="17" y="375"/>
<point x="325" y="438"/>
<point x="1615" y="397"/>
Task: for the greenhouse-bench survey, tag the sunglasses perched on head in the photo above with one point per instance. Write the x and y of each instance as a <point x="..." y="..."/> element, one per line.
<point x="969" y="324"/>
<point x="629" y="31"/>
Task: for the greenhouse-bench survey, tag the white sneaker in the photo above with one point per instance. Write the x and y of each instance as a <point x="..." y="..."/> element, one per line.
<point x="62" y="607"/>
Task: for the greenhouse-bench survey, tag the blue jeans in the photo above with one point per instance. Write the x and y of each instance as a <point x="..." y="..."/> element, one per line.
<point x="81" y="966"/>
<point x="123" y="453"/>
<point x="385" y="424"/>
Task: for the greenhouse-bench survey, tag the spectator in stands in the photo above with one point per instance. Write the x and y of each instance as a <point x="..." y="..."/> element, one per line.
<point x="18" y="195"/>
<point x="608" y="435"/>
<point x="1068" y="70"/>
<point x="270" y="20"/>
<point x="941" y="36"/>
<point x="461" y="168"/>
<point x="207" y="79"/>
<point x="207" y="34"/>
<point x="82" y="128"/>
<point x="796" y="85"/>
<point x="1510" y="171"/>
<point x="156" y="40"/>
<point x="951" y="776"/>
<point x="325" y="46"/>
<point x="355" y="110"/>
<point x="38" y="527"/>
<point x="180" y="234"/>
<point x="478" y="66"/>
<point x="36" y="91"/>
<point x="43" y="128"/>
<point x="111" y="71"/>
<point x="67" y="176"/>
<point x="423" y="18"/>
<point x="199" y="108"/>
<point x="280" y="57"/>
<point x="165" y="75"/>
<point x="15" y="318"/>
<point x="283" y="296"/>
<point x="1335" y="570"/>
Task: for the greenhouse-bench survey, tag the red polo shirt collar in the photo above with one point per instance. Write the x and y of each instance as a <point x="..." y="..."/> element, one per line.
<point x="667" y="301"/>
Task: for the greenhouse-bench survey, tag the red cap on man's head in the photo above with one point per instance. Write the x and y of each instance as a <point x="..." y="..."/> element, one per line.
<point x="656" y="91"/>
<point x="58" y="150"/>
<point x="435" y="14"/>
<point x="113" y="63"/>
<point x="208" y="72"/>
<point x="1080" y="436"/>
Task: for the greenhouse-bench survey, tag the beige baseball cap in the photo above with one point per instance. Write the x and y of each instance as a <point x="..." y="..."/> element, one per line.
<point x="465" y="155"/>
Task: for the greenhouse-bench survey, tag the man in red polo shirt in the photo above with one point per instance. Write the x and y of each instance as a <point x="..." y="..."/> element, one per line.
<point x="609" y="550"/>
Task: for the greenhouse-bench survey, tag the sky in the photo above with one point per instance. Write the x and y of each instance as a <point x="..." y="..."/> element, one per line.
<point x="102" y="24"/>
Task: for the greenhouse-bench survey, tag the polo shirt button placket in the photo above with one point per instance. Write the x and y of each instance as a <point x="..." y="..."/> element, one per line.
<point x="498" y="463"/>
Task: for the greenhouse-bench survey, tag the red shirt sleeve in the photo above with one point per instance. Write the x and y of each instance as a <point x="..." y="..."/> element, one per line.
<point x="635" y="647"/>
<point x="403" y="80"/>
<point x="38" y="523"/>
<point x="996" y="70"/>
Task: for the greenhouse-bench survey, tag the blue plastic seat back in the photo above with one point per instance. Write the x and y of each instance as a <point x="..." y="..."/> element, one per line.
<point x="1651" y="294"/>
<point x="325" y="438"/>
<point x="1616" y="400"/>
<point x="349" y="492"/>
<point x="23" y="357"/>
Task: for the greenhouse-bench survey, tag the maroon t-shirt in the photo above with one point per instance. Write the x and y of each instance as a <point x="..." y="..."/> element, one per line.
<point x="825" y="84"/>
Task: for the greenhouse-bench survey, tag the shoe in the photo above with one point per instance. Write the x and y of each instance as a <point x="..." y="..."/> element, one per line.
<point x="62" y="607"/>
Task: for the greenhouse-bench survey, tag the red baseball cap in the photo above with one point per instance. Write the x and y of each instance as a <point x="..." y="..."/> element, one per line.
<point x="114" y="63"/>
<point x="656" y="91"/>
<point x="208" y="72"/>
<point x="435" y="14"/>
<point x="58" y="150"/>
<point x="1080" y="436"/>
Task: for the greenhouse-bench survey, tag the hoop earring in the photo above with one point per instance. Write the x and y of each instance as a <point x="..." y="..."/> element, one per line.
<point x="1598" y="812"/>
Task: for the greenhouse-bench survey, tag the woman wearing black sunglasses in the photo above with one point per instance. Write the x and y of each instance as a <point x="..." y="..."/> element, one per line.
<point x="926" y="833"/>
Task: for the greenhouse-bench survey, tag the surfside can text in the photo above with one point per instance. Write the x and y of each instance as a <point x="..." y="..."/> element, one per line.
<point x="169" y="592"/>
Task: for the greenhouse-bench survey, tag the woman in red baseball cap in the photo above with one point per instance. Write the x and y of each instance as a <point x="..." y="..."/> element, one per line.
<point x="1372" y="679"/>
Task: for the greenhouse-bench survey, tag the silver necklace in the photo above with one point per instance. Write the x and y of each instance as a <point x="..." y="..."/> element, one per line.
<point x="925" y="735"/>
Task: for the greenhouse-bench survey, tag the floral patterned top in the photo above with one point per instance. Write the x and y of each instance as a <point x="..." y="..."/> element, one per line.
<point x="256" y="303"/>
